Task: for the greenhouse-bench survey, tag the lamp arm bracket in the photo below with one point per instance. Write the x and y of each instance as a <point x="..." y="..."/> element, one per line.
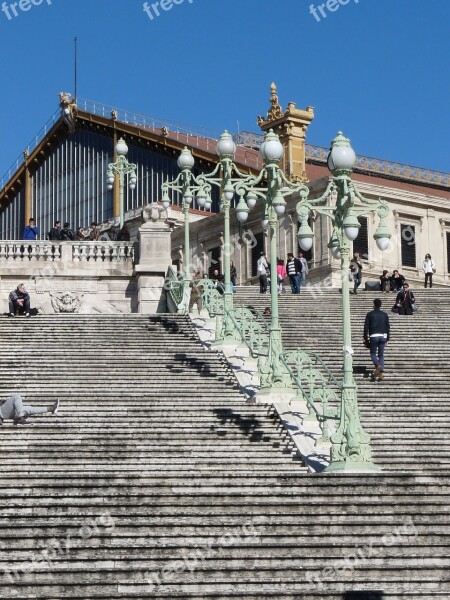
<point x="246" y="175"/>
<point x="381" y="206"/>
<point x="296" y="187"/>
<point x="212" y="174"/>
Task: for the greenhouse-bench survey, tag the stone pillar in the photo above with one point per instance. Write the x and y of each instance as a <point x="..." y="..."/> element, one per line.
<point x="291" y="127"/>
<point x="154" y="259"/>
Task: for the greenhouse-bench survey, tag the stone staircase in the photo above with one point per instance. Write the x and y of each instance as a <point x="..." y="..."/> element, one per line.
<point x="157" y="480"/>
<point x="407" y="415"/>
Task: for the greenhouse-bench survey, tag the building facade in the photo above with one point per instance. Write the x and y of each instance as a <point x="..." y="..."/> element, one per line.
<point x="63" y="177"/>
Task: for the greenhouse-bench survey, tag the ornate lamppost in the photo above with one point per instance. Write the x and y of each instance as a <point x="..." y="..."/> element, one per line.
<point x="350" y="449"/>
<point x="121" y="168"/>
<point x="274" y="375"/>
<point x="248" y="188"/>
<point x="186" y="184"/>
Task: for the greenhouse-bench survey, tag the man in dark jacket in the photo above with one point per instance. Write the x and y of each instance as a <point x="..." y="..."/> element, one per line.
<point x="376" y="333"/>
<point x="19" y="298"/>
<point x="294" y="270"/>
<point x="67" y="233"/>
<point x="55" y="232"/>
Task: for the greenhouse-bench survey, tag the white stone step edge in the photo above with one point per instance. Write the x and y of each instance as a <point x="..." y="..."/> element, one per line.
<point x="304" y="433"/>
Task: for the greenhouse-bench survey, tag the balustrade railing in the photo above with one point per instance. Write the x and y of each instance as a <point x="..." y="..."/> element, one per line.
<point x="102" y="251"/>
<point x="21" y="251"/>
<point x="80" y="251"/>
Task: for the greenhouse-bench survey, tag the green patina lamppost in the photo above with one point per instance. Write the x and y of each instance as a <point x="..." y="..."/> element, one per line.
<point x="121" y="168"/>
<point x="270" y="185"/>
<point x="186" y="184"/>
<point x="350" y="449"/>
<point x="221" y="177"/>
<point x="273" y="374"/>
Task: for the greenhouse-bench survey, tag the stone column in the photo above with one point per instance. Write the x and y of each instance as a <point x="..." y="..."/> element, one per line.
<point x="154" y="259"/>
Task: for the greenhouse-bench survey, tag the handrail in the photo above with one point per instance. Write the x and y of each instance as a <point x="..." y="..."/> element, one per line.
<point x="312" y="386"/>
<point x="175" y="288"/>
<point x="314" y="380"/>
<point x="133" y="118"/>
<point x="254" y="333"/>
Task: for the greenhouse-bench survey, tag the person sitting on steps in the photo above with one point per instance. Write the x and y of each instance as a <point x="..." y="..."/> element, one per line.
<point x="397" y="281"/>
<point x="19" y="298"/>
<point x="14" y="408"/>
<point x="385" y="282"/>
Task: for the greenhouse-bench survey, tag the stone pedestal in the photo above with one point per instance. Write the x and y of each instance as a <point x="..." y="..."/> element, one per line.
<point x="154" y="260"/>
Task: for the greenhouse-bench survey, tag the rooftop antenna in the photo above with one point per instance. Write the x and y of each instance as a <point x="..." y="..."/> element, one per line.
<point x="75" y="67"/>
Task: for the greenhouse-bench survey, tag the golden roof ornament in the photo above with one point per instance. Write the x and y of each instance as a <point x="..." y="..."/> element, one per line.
<point x="275" y="111"/>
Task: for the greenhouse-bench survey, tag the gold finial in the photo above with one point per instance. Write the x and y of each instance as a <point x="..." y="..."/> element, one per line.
<point x="275" y="111"/>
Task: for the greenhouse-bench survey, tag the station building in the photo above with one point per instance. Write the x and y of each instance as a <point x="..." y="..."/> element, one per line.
<point x="62" y="175"/>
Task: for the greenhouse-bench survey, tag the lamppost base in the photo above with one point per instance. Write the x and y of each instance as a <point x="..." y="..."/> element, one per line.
<point x="350" y="466"/>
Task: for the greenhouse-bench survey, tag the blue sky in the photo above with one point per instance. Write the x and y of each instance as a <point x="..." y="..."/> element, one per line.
<point x="376" y="69"/>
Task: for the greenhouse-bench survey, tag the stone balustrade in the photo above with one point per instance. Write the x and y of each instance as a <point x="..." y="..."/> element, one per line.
<point x="79" y="251"/>
<point x="91" y="276"/>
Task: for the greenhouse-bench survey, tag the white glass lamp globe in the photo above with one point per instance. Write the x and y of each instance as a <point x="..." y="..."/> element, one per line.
<point x="166" y="199"/>
<point x="201" y="198"/>
<point x="242" y="215"/>
<point x="251" y="200"/>
<point x="305" y="243"/>
<point x="185" y="160"/>
<point x="273" y="149"/>
<point x="351" y="227"/>
<point x="383" y="243"/>
<point x="336" y="252"/>
<point x="342" y="157"/>
<point x="226" y="148"/>
<point x="228" y="192"/>
<point x="121" y="148"/>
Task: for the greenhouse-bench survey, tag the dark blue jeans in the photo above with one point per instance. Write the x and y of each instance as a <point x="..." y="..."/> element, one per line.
<point x="377" y="345"/>
<point x="295" y="283"/>
<point x="263" y="283"/>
